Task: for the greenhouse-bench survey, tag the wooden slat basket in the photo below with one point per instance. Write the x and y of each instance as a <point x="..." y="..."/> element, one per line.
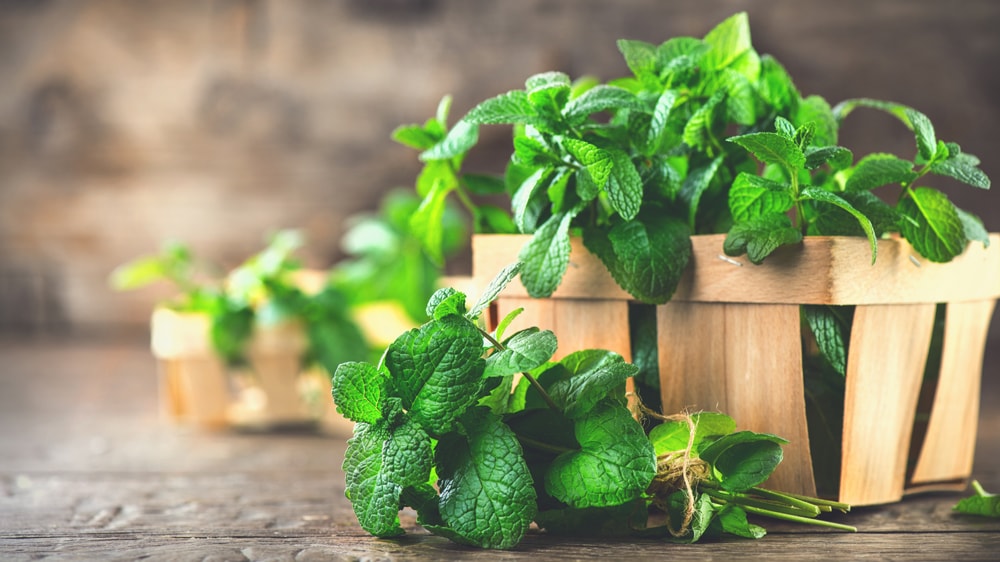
<point x="196" y="387"/>
<point x="731" y="340"/>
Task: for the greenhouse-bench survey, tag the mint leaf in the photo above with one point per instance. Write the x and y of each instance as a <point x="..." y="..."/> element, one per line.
<point x="445" y="302"/>
<point x="597" y="99"/>
<point x="546" y="256"/>
<point x="510" y="108"/>
<point x="760" y="236"/>
<point x="816" y="110"/>
<point x="744" y="459"/>
<point x="646" y="256"/>
<point x="672" y="436"/>
<point x="752" y="196"/>
<point x="414" y="136"/>
<point x="457" y="142"/>
<point x="784" y="127"/>
<point x="963" y="171"/>
<point x="741" y="98"/>
<point x="375" y="501"/>
<point x="830" y="198"/>
<point x="973" y="226"/>
<point x="924" y="131"/>
<point x="593" y="375"/>
<point x="773" y="148"/>
<point x="624" y="186"/>
<point x="658" y="122"/>
<point x="696" y="183"/>
<point x="529" y="200"/>
<point x="525" y="351"/>
<point x="876" y="170"/>
<point x="733" y="520"/>
<point x="596" y="161"/>
<point x="837" y="157"/>
<point x="614" y="464"/>
<point x="698" y="131"/>
<point x="829" y="332"/>
<point x="641" y="58"/>
<point x="729" y="40"/>
<point x="934" y="227"/>
<point x="357" y="391"/>
<point x="775" y="85"/>
<point x="494" y="288"/>
<point x="982" y="503"/>
<point x="427" y="221"/>
<point x="548" y="90"/>
<point x="487" y="495"/>
<point x="436" y="370"/>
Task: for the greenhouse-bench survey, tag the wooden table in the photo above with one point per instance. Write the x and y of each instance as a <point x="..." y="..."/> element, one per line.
<point x="88" y="471"/>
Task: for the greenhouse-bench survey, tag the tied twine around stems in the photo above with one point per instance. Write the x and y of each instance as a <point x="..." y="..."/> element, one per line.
<point x="675" y="470"/>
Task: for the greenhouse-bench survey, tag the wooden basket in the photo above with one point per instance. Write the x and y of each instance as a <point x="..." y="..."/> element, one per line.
<point x="730" y="340"/>
<point x="197" y="387"/>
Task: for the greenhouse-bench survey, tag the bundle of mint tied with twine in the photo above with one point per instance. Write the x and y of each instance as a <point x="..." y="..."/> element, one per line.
<point x="683" y="470"/>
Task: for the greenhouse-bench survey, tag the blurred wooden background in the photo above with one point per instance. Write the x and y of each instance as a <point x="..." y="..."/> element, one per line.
<point x="214" y="122"/>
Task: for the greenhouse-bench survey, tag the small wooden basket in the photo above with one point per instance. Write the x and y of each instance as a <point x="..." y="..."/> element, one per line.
<point x="730" y="340"/>
<point x="197" y="387"/>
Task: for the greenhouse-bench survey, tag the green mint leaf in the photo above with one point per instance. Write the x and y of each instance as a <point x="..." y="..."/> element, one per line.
<point x="830" y="220"/>
<point x="775" y="85"/>
<point x="672" y="436"/>
<point x="596" y="161"/>
<point x="759" y="237"/>
<point x="933" y="226"/>
<point x="734" y="522"/>
<point x="973" y="226"/>
<point x="487" y="494"/>
<point x="414" y="136"/>
<point x="614" y="464"/>
<point x="695" y="184"/>
<point x="773" y="148"/>
<point x="510" y="108"/>
<point x="494" y="288"/>
<point x="548" y="90"/>
<point x="816" y="110"/>
<point x="784" y="127"/>
<point x="741" y="98"/>
<point x="592" y="376"/>
<point x="982" y="503"/>
<point x="743" y="459"/>
<point x="435" y="172"/>
<point x="876" y="170"/>
<point x="374" y="499"/>
<point x="546" y="256"/>
<point x="427" y="222"/>
<point x="658" y="122"/>
<point x="506" y="321"/>
<point x="830" y="198"/>
<point x="529" y="201"/>
<point x="837" y="157"/>
<point x="963" y="171"/>
<point x="829" y="332"/>
<point x="752" y="196"/>
<point x="444" y="302"/>
<point x="646" y="256"/>
<point x="698" y="131"/>
<point x="624" y="186"/>
<point x="599" y="98"/>
<point x="641" y="58"/>
<point x="457" y="142"/>
<point x="357" y="391"/>
<point x="927" y="143"/>
<point x="436" y="370"/>
<point x="532" y="152"/>
<point x="525" y="351"/>
<point x="729" y="40"/>
<point x="378" y="464"/>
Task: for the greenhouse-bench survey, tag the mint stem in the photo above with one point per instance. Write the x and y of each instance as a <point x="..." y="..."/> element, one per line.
<point x="799" y="519"/>
<point x="534" y="382"/>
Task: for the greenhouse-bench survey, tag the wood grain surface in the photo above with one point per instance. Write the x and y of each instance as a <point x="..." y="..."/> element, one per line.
<point x="89" y="471"/>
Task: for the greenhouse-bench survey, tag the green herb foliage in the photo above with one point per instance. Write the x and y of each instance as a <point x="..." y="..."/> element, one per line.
<point x="982" y="503"/>
<point x="639" y="164"/>
<point x="262" y="290"/>
<point x="442" y="427"/>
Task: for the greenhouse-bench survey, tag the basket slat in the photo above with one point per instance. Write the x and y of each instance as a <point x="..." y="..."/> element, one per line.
<point x="950" y="442"/>
<point x="750" y="369"/>
<point x="885" y="367"/>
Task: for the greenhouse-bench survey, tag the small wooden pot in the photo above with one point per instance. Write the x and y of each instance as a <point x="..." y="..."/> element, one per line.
<point x="730" y="340"/>
<point x="197" y="387"/>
